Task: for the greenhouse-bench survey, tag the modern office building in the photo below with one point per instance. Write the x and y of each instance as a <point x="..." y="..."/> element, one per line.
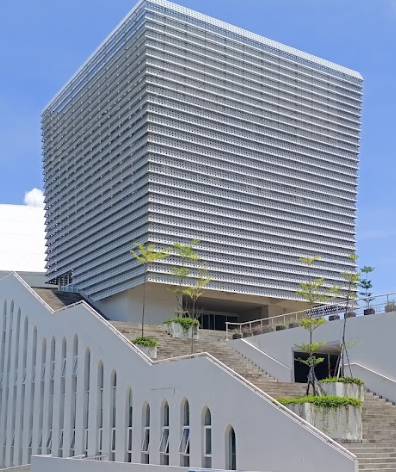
<point x="180" y="126"/>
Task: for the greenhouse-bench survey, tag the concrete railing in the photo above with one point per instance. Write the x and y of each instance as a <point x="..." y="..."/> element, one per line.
<point x="358" y="307"/>
<point x="377" y="383"/>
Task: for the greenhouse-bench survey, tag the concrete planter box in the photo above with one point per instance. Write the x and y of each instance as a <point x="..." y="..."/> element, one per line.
<point x="148" y="350"/>
<point x="342" y="389"/>
<point x="339" y="423"/>
<point x="176" y="330"/>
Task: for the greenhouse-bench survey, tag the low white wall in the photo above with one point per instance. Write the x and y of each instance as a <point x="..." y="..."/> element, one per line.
<point x="379" y="384"/>
<point x="373" y="334"/>
<point x="262" y="429"/>
<point x="278" y="370"/>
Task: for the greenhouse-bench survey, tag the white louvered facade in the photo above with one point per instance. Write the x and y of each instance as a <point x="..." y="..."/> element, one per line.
<point x="180" y="126"/>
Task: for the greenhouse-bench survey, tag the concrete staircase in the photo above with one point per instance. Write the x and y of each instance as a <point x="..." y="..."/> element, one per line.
<point x="57" y="299"/>
<point x="377" y="451"/>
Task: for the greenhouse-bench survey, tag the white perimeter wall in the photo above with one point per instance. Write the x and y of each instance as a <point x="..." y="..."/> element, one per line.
<point x="31" y="410"/>
<point x="372" y="359"/>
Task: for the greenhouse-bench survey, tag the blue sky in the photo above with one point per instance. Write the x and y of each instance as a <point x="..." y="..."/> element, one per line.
<point x="43" y="42"/>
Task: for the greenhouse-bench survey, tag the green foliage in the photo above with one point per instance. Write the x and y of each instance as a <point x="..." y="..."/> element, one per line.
<point x="352" y="279"/>
<point x="147" y="253"/>
<point x="186" y="254"/>
<point x="310" y="324"/>
<point x="390" y="306"/>
<point x="147" y="342"/>
<point x="314" y="291"/>
<point x="197" y="290"/>
<point x="366" y="285"/>
<point x="186" y="323"/>
<point x="347" y="380"/>
<point x="325" y="401"/>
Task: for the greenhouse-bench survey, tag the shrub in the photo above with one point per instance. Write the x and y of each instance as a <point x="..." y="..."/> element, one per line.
<point x="147" y="342"/>
<point x="347" y="380"/>
<point x="186" y="323"/>
<point x="325" y="401"/>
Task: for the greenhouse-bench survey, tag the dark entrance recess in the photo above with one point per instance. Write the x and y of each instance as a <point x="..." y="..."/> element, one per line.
<point x="323" y="370"/>
<point x="217" y="322"/>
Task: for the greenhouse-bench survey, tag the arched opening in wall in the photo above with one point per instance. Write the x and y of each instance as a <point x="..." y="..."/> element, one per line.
<point x="129" y="423"/>
<point x="42" y="386"/>
<point x="100" y="408"/>
<point x="23" y="387"/>
<point x="145" y="459"/>
<point x="51" y="397"/>
<point x="184" y="447"/>
<point x="207" y="438"/>
<point x="87" y="378"/>
<point x="164" y="442"/>
<point x="230" y="462"/>
<point x="32" y="395"/>
<point x="62" y="397"/>
<point x="113" y="414"/>
<point x="74" y="396"/>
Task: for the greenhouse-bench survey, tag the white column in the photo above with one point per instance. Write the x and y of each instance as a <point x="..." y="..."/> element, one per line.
<point x="19" y="426"/>
<point x="93" y="408"/>
<point x="68" y="398"/>
<point x="57" y="398"/>
<point x="195" y="436"/>
<point x="4" y="405"/>
<point x="121" y="420"/>
<point x="38" y="397"/>
<point x="80" y="404"/>
<point x="46" y="413"/>
<point x="29" y="392"/>
<point x="106" y="409"/>
<point x="11" y="383"/>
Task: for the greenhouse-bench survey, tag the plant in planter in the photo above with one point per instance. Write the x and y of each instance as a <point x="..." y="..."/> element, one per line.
<point x="186" y="254"/>
<point x="237" y="335"/>
<point x="338" y="417"/>
<point x="366" y="285"/>
<point x="293" y="324"/>
<point x="343" y="387"/>
<point x="390" y="306"/>
<point x="147" y="345"/>
<point x="280" y="327"/>
<point x="183" y="328"/>
<point x="146" y="254"/>
<point x="194" y="292"/>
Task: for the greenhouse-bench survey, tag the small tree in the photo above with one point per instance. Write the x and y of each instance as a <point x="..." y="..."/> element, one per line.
<point x="366" y="285"/>
<point x="146" y="254"/>
<point x="194" y="292"/>
<point x="352" y="279"/>
<point x="310" y="324"/>
<point x="313" y="292"/>
<point x="186" y="254"/>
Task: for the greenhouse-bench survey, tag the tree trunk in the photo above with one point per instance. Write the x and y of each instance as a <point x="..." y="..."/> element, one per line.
<point x="144" y="303"/>
<point x="192" y="326"/>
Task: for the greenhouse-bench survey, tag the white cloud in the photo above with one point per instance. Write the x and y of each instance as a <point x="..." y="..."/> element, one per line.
<point x="35" y="198"/>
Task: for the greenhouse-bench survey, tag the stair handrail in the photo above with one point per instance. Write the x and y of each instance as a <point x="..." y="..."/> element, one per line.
<point x="316" y="432"/>
<point x="388" y="379"/>
<point x="297" y="315"/>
